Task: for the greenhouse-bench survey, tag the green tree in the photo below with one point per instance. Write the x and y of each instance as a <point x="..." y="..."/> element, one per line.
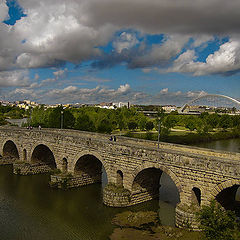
<point x="225" y="121"/>
<point x="132" y="125"/>
<point x="68" y="119"/>
<point x="142" y="122"/>
<point x="104" y="126"/>
<point x="84" y="123"/>
<point x="213" y="120"/>
<point x="218" y="224"/>
<point x="54" y="118"/>
<point x="191" y="124"/>
<point x="149" y="125"/>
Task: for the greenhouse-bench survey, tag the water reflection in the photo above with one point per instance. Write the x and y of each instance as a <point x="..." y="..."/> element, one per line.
<point x="29" y="209"/>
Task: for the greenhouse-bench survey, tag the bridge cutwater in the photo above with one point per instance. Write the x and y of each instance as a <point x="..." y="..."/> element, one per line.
<point x="133" y="165"/>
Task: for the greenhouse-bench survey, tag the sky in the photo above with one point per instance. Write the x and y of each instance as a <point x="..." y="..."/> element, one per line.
<point x="141" y="51"/>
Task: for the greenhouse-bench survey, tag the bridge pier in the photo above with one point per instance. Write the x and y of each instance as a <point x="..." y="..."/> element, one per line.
<point x="26" y="168"/>
<point x="67" y="180"/>
<point x="185" y="216"/>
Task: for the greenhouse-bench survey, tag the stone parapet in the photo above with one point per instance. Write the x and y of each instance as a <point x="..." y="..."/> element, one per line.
<point x="30" y="168"/>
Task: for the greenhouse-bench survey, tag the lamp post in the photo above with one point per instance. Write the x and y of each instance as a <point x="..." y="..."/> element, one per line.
<point x="160" y="117"/>
<point x="61" y="119"/>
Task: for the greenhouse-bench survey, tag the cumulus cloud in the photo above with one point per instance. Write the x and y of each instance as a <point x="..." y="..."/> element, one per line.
<point x="54" y="32"/>
<point x="60" y="73"/>
<point x="123" y="88"/>
<point x="125" y="41"/>
<point x="14" y="78"/>
<point x="226" y="60"/>
<point x="3" y="11"/>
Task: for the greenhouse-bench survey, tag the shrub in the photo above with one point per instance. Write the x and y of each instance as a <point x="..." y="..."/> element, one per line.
<point x="217" y="223"/>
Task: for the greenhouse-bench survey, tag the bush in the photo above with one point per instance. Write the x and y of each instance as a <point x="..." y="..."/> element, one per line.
<point x="218" y="224"/>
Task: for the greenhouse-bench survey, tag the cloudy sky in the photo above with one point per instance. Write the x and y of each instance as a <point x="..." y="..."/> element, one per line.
<point x="142" y="51"/>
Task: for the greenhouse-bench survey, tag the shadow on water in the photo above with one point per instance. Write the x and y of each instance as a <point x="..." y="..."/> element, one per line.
<point x="29" y="209"/>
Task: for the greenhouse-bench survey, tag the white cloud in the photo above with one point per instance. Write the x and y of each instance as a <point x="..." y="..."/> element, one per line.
<point x="123" y="88"/>
<point x="60" y="73"/>
<point x="14" y="78"/>
<point x="3" y="11"/>
<point x="225" y="60"/>
<point x="125" y="41"/>
<point x="164" y="91"/>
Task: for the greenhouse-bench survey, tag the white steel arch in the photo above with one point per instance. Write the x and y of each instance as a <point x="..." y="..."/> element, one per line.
<point x="209" y="95"/>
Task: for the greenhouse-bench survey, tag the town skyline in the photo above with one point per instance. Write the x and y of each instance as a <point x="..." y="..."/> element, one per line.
<point x="90" y="52"/>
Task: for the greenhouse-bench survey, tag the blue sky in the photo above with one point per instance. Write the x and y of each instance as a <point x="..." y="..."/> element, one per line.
<point x="155" y="52"/>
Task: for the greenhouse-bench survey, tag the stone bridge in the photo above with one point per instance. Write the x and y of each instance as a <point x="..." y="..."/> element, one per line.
<point x="133" y="166"/>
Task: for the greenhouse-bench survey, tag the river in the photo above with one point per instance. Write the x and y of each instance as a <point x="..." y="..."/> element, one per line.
<point x="29" y="209"/>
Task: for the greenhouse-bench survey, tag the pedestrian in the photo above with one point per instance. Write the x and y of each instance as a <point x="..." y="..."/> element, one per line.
<point x="111" y="138"/>
<point x="39" y="127"/>
<point x="114" y="138"/>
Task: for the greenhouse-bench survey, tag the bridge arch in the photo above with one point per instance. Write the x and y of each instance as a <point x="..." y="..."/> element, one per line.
<point x="10" y="149"/>
<point x="157" y="170"/>
<point x="41" y="153"/>
<point x="89" y="163"/>
<point x="209" y="95"/>
<point x="226" y="193"/>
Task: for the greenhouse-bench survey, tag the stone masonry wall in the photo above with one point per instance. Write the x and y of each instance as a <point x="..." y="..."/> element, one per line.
<point x="30" y="169"/>
<point x="64" y="181"/>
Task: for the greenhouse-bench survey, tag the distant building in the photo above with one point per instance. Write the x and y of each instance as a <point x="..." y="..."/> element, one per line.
<point x="169" y="108"/>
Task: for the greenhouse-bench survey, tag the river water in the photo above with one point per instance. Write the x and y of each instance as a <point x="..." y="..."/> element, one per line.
<point x="29" y="209"/>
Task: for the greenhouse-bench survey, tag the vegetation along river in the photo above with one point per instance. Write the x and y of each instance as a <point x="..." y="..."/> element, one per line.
<point x="29" y="209"/>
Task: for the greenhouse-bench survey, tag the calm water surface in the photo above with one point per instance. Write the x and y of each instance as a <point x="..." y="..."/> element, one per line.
<point x="231" y="145"/>
<point x="29" y="209"/>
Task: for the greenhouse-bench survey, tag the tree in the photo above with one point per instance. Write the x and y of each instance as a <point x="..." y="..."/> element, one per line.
<point x="68" y="119"/>
<point x="132" y="124"/>
<point x="142" y="122"/>
<point x="54" y="118"/>
<point x="218" y="224"/>
<point x="149" y="125"/>
<point x="104" y="126"/>
<point x="190" y="123"/>
<point x="84" y="123"/>
<point x="213" y="120"/>
<point x="225" y="121"/>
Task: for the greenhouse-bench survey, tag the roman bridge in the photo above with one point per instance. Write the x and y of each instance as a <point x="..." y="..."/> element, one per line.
<point x="133" y="166"/>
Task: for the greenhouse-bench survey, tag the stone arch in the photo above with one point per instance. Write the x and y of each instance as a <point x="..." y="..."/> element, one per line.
<point x="221" y="186"/>
<point x="164" y="169"/>
<point x="225" y="194"/>
<point x="98" y="160"/>
<point x="41" y="153"/>
<point x="119" y="178"/>
<point x="157" y="170"/>
<point x="10" y="149"/>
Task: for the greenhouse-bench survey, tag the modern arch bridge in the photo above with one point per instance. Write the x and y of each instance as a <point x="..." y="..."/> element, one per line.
<point x="200" y="175"/>
<point x="205" y="96"/>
